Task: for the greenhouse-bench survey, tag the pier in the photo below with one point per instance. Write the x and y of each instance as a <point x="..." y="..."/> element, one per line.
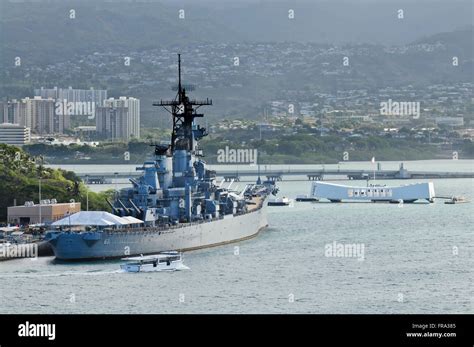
<point x="295" y="174"/>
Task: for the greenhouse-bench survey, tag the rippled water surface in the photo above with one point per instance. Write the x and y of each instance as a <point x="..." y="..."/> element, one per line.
<point x="417" y="259"/>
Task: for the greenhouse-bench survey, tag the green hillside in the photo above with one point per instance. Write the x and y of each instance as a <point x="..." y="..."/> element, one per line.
<point x="19" y="179"/>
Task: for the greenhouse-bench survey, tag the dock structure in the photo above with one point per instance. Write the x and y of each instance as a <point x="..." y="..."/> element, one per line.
<point x="308" y="174"/>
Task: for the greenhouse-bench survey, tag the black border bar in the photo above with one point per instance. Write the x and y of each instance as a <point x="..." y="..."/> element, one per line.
<point x="159" y="329"/>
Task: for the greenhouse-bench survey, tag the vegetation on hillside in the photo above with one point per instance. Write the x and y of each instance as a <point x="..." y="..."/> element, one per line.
<point x="19" y="181"/>
<point x="291" y="144"/>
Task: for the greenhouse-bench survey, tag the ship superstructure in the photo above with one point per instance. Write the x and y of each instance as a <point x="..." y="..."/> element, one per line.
<point x="177" y="187"/>
<point x="176" y="197"/>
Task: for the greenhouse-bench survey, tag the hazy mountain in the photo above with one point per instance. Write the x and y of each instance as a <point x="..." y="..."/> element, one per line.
<point x="42" y="30"/>
<point x="45" y="32"/>
<point x="459" y="42"/>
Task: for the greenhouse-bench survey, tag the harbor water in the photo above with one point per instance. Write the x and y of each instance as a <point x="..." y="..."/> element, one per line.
<point x="413" y="258"/>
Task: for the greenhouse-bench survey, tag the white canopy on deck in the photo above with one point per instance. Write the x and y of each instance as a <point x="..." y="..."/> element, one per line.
<point x="95" y="218"/>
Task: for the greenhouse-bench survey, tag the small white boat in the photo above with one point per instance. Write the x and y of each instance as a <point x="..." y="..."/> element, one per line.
<point x="165" y="261"/>
<point x="284" y="201"/>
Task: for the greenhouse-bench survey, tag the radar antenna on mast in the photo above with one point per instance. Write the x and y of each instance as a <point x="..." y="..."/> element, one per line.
<point x="183" y="111"/>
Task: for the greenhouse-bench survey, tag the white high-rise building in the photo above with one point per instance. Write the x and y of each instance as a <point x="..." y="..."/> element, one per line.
<point x="41" y="117"/>
<point x="38" y="114"/>
<point x="119" y="118"/>
<point x="14" y="112"/>
<point x="97" y="96"/>
<point x="112" y="123"/>
<point x="75" y="102"/>
<point x="6" y="112"/>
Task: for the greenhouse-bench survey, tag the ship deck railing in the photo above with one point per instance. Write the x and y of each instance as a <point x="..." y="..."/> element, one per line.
<point x="171" y="228"/>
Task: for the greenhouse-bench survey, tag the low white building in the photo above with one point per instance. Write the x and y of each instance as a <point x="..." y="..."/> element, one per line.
<point x="14" y="134"/>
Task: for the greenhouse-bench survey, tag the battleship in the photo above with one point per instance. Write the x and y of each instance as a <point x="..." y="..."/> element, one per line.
<point x="175" y="204"/>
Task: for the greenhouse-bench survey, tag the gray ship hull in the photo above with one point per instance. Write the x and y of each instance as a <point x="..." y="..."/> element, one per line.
<point x="116" y="244"/>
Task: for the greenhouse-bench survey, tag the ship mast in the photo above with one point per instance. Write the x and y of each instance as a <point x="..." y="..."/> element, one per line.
<point x="183" y="111"/>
